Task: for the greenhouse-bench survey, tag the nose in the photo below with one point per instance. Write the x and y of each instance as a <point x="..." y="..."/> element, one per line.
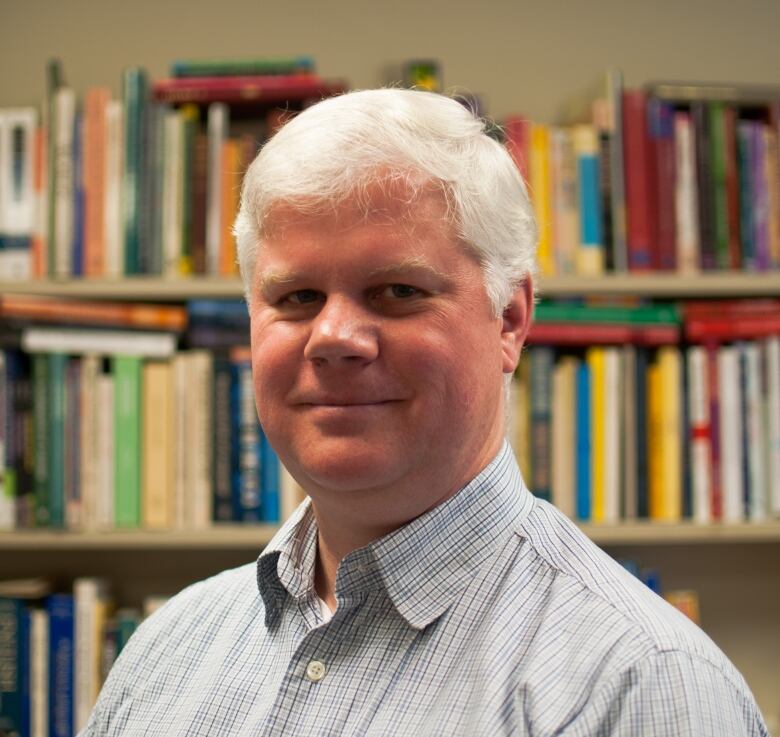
<point x="341" y="333"/>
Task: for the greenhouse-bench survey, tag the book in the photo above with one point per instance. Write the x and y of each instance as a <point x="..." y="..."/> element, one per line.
<point x="540" y="195"/>
<point x="699" y="433"/>
<point x="640" y="188"/>
<point x="128" y="421"/>
<point x="686" y="204"/>
<point x="591" y="257"/>
<point x="628" y="505"/>
<point x="158" y="449"/>
<point x="262" y="90"/>
<point x="39" y="672"/>
<point x="583" y="458"/>
<point x="104" y="516"/>
<point x="548" y="311"/>
<point x="670" y="443"/>
<point x="23" y="307"/>
<point x="720" y="210"/>
<point x="89" y="440"/>
<point x="217" y="132"/>
<point x="95" y="168"/>
<point x="91" y="608"/>
<point x="63" y="183"/>
<point x="14" y="655"/>
<point x="55" y="443"/>
<point x="756" y="449"/>
<point x="242" y="67"/>
<point x="731" y="431"/>
<point x="106" y="342"/>
<point x="704" y="184"/>
<point x="565" y="207"/>
<point x="612" y="435"/>
<point x="61" y="611"/>
<point x="542" y="359"/>
<point x="596" y="359"/>
<point x="113" y="237"/>
<point x="771" y="362"/>
<point x="584" y="334"/>
<point x="660" y="130"/>
<point x="564" y="436"/>
<point x="173" y="193"/>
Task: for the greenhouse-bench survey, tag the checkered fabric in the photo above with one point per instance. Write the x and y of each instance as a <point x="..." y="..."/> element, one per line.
<point x="491" y="614"/>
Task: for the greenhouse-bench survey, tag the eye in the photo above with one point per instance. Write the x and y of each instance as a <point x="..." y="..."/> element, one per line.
<point x="400" y="291"/>
<point x="302" y="297"/>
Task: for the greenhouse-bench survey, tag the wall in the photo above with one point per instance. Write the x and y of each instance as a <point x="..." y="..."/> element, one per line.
<point x="523" y="57"/>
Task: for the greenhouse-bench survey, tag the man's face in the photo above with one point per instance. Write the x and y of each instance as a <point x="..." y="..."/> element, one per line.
<point x="378" y="363"/>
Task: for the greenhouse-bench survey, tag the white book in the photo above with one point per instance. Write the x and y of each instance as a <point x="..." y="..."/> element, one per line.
<point x="104" y="496"/>
<point x="77" y="341"/>
<point x="64" y="216"/>
<point x="700" y="450"/>
<point x="731" y="428"/>
<point x="113" y="238"/>
<point x="39" y="673"/>
<point x="771" y="349"/>
<point x="613" y="434"/>
<point x="7" y="502"/>
<point x="566" y="223"/>
<point x="686" y="196"/>
<point x="172" y="192"/>
<point x="17" y="150"/>
<point x="756" y="437"/>
<point x="88" y="445"/>
<point x="90" y="596"/>
<point x="217" y="132"/>
<point x="563" y="434"/>
<point x="200" y="433"/>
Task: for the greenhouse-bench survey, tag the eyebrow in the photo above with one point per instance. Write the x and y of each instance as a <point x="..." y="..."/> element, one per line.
<point x="271" y="280"/>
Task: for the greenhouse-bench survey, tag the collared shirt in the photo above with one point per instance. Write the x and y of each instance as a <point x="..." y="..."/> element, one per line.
<point x="491" y="614"/>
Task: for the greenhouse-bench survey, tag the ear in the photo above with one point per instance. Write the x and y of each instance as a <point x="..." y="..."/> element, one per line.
<point x="516" y="323"/>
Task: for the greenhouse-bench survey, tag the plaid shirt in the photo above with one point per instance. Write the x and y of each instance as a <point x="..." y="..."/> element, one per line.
<point x="491" y="614"/>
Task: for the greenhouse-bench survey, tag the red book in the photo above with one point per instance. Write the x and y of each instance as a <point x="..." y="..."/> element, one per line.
<point x="517" y="131"/>
<point x="579" y="334"/>
<point x="255" y="90"/>
<point x="720" y="308"/>
<point x="731" y="328"/>
<point x="641" y="207"/>
<point x="660" y="120"/>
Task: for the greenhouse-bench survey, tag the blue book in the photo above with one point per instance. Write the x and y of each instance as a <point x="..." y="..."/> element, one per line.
<point x="61" y="658"/>
<point x="15" y="672"/>
<point x="582" y="403"/>
<point x="270" y="493"/>
<point x="215" y="311"/>
<point x="77" y="267"/>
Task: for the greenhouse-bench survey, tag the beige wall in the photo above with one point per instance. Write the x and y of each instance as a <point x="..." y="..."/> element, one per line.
<point x="524" y="57"/>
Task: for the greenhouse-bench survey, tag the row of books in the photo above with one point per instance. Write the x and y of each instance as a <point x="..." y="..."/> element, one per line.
<point x="109" y="429"/>
<point x="56" y="650"/>
<point x="666" y="434"/>
<point x="146" y="184"/>
<point x="669" y="177"/>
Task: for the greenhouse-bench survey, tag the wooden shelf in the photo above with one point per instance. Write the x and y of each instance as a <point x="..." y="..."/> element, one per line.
<point x="721" y="284"/>
<point x="254" y="537"/>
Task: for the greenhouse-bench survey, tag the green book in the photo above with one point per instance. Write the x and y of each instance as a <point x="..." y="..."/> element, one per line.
<point x="135" y="93"/>
<point x="572" y="312"/>
<point x="40" y="392"/>
<point x="127" y="441"/>
<point x="242" y="67"/>
<point x="56" y="440"/>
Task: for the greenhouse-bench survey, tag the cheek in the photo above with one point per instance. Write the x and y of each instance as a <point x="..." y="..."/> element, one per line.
<point x="273" y="369"/>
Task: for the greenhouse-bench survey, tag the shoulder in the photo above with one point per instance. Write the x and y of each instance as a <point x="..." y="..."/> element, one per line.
<point x="182" y="634"/>
<point x="599" y="630"/>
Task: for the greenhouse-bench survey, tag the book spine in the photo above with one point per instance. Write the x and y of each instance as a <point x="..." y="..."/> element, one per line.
<point x="217" y="131"/>
<point x="61" y="663"/>
<point x="771" y="351"/>
<point x="744" y="160"/>
<point x="629" y="430"/>
<point x="223" y="511"/>
<point x="247" y="499"/>
<point x="72" y="446"/>
<point x="12" y="707"/>
<point x="591" y="259"/>
<point x="671" y="440"/>
<point x="541" y="406"/>
<point x="732" y="187"/>
<point x="540" y="189"/>
<point x="158" y="447"/>
<point x="7" y="500"/>
<point x="39" y="673"/>
<point x="704" y="182"/>
<point x="564" y="435"/>
<point x="189" y="114"/>
<point x="172" y="193"/>
<point x="101" y="342"/>
<point x="760" y="198"/>
<point x="39" y="245"/>
<point x="127" y="418"/>
<point x="200" y="437"/>
<point x="756" y="449"/>
<point x="655" y="459"/>
<point x="106" y="453"/>
<point x="55" y="444"/>
<point x="40" y="368"/>
<point x="583" y="408"/>
<point x="94" y="180"/>
<point x="77" y="259"/>
<point x="89" y="595"/>
<point x="566" y="218"/>
<point x="717" y="129"/>
<point x="617" y="188"/>
<point x="613" y="434"/>
<point x="772" y="177"/>
<point x="686" y="203"/>
<point x="642" y="429"/>
<point x="730" y="434"/>
<point x="63" y="174"/>
<point x="661" y="133"/>
<point x="134" y="95"/>
<point x="89" y="459"/>
<point x="699" y="433"/>
<point x="113" y="237"/>
<point x="640" y="210"/>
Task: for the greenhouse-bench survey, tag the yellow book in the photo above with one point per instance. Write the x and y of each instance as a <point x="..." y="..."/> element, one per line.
<point x="654" y="449"/>
<point x="670" y="441"/>
<point x="157" y="486"/>
<point x="595" y="359"/>
<point x="542" y="196"/>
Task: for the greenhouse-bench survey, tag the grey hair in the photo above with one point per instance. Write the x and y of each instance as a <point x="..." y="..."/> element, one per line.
<point x="339" y="147"/>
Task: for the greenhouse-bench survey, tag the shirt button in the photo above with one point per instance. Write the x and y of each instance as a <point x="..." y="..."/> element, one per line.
<point x="315" y="671"/>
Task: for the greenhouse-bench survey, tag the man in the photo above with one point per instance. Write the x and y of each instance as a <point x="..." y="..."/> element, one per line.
<point x="386" y="244"/>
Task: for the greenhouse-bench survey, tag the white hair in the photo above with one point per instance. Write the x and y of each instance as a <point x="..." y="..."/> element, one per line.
<point x="339" y="147"/>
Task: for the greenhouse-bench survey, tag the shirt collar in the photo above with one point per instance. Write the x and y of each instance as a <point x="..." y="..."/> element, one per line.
<point x="424" y="565"/>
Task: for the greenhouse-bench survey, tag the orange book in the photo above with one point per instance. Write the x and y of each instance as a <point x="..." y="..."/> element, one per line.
<point x="129" y="314"/>
<point x="94" y="148"/>
<point x="231" y="165"/>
